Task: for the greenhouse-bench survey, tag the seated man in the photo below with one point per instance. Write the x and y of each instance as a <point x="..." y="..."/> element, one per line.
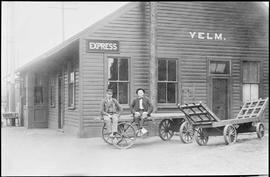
<point x="110" y="110"/>
<point x="141" y="107"/>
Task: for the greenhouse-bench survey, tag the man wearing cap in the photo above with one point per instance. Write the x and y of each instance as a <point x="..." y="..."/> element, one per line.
<point x="141" y="107"/>
<point x="110" y="112"/>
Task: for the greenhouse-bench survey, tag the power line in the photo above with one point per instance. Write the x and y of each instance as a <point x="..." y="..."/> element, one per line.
<point x="63" y="8"/>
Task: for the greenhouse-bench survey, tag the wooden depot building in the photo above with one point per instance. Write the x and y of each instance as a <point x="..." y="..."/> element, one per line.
<point x="179" y="52"/>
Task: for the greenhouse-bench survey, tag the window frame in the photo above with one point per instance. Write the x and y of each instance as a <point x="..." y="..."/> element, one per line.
<point x="219" y="60"/>
<point x="71" y="67"/>
<point x="52" y="92"/>
<point x="259" y="62"/>
<point x="125" y="105"/>
<point x="176" y="82"/>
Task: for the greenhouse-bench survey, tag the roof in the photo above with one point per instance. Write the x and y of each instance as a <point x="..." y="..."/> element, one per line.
<point x="79" y="35"/>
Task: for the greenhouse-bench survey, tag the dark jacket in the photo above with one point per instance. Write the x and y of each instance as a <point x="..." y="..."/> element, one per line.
<point x="115" y="107"/>
<point x="147" y="105"/>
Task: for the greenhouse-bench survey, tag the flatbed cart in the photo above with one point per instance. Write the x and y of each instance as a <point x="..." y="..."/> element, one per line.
<point x="204" y="123"/>
<point x="168" y="125"/>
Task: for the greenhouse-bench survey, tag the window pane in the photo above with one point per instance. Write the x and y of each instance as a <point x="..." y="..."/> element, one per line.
<point x="71" y="77"/>
<point x="246" y="92"/>
<point x="123" y="93"/>
<point x="254" y="91"/>
<point x="112" y="69"/>
<point x="219" y="67"/>
<point x="70" y="94"/>
<point x="171" y="92"/>
<point x="254" y="77"/>
<point x="113" y="86"/>
<point x="162" y="70"/>
<point x="245" y="72"/>
<point x="38" y="95"/>
<point x="172" y="70"/>
<point x="161" y="92"/>
<point x="123" y="69"/>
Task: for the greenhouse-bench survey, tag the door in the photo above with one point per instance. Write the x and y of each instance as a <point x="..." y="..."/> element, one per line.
<point x="60" y="102"/>
<point x="220" y="97"/>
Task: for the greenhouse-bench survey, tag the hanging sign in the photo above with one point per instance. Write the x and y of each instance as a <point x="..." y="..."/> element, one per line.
<point x="102" y="46"/>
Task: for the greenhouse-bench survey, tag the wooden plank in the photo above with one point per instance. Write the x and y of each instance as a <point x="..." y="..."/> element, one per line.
<point x="234" y="121"/>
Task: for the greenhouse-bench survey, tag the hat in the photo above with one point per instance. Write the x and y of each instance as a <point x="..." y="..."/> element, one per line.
<point x="140" y="89"/>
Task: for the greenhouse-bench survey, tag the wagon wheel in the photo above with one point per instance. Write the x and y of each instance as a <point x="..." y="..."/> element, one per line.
<point x="125" y="136"/>
<point x="106" y="135"/>
<point x="166" y="129"/>
<point x="186" y="132"/>
<point x="260" y="130"/>
<point x="201" y="136"/>
<point x="230" y="134"/>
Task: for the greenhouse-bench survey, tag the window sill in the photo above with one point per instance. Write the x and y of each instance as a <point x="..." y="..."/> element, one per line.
<point x="174" y="105"/>
<point x="71" y="108"/>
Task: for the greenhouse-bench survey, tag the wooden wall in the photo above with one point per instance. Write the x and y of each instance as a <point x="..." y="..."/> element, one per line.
<point x="244" y="37"/>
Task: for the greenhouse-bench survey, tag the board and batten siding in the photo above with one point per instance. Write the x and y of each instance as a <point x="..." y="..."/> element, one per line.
<point x="131" y="30"/>
<point x="175" y="21"/>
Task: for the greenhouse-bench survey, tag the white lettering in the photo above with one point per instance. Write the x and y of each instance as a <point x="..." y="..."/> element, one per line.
<point x="208" y="36"/>
<point x="92" y="45"/>
<point x="200" y="35"/>
<point x="192" y="34"/>
<point x="218" y="37"/>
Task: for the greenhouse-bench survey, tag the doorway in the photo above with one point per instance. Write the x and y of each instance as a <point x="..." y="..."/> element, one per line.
<point x="220" y="97"/>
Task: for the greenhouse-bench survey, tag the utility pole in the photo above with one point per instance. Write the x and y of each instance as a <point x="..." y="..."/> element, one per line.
<point x="63" y="8"/>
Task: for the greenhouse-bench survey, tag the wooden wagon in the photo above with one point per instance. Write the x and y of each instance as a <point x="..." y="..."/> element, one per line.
<point x="168" y="125"/>
<point x="202" y="122"/>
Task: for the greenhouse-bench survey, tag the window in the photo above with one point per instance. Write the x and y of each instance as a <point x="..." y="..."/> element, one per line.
<point x="118" y="78"/>
<point x="220" y="67"/>
<point x="251" y="80"/>
<point x="71" y="85"/>
<point x="52" y="92"/>
<point x="38" y="90"/>
<point x="167" y="81"/>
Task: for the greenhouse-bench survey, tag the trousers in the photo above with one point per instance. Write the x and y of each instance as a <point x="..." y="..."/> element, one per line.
<point x="111" y="122"/>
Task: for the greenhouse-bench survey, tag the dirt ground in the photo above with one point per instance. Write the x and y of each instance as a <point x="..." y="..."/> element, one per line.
<point x="50" y="152"/>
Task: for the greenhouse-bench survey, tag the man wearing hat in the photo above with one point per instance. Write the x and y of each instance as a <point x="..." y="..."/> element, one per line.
<point x="110" y="112"/>
<point x="141" y="107"/>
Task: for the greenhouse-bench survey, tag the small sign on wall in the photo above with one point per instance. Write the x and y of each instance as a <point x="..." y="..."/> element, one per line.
<point x="102" y="46"/>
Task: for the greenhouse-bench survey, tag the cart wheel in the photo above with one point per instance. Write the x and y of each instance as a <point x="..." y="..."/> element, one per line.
<point x="186" y="132"/>
<point x="230" y="134"/>
<point x="260" y="130"/>
<point x="105" y="135"/>
<point x="166" y="129"/>
<point x="125" y="136"/>
<point x="201" y="136"/>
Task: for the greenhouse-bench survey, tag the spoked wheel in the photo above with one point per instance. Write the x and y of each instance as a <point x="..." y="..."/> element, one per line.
<point x="166" y="129"/>
<point x="106" y="135"/>
<point x="186" y="132"/>
<point x="230" y="134"/>
<point x="201" y="136"/>
<point x="260" y="130"/>
<point x="125" y="136"/>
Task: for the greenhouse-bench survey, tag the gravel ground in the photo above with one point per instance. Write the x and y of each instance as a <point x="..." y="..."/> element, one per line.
<point x="49" y="152"/>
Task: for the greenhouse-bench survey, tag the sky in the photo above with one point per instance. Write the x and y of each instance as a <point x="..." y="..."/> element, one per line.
<point x="37" y="26"/>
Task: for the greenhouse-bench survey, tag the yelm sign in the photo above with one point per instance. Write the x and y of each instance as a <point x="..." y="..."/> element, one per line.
<point x="207" y="36"/>
<point x="102" y="46"/>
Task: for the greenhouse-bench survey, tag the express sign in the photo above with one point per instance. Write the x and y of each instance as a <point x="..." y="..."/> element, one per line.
<point x="102" y="46"/>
